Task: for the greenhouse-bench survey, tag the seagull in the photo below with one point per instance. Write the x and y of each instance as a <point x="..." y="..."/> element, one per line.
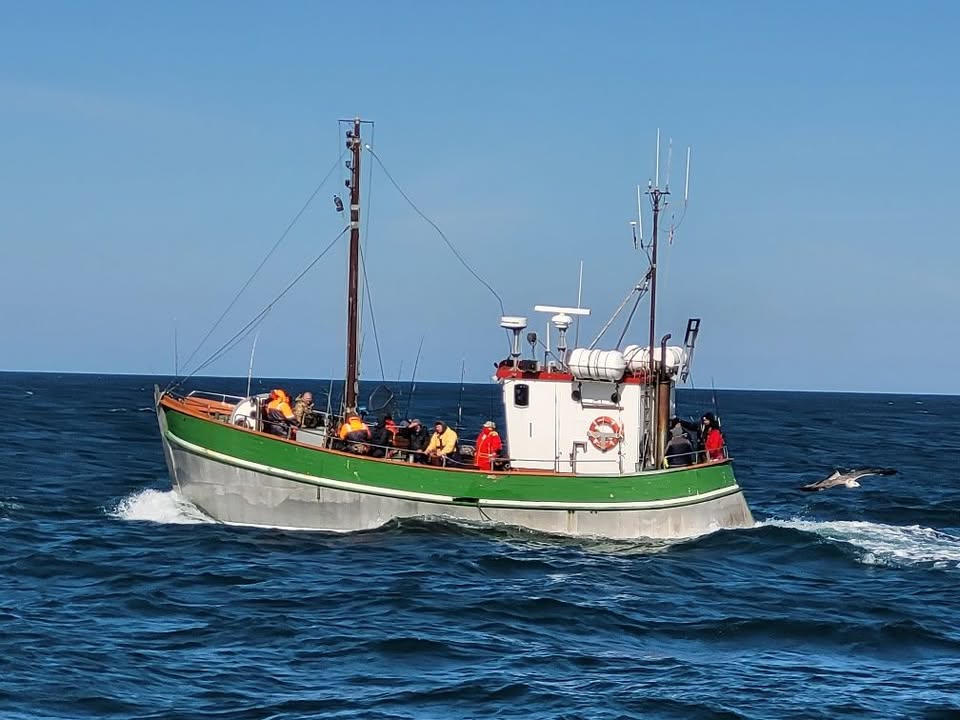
<point x="848" y="478"/>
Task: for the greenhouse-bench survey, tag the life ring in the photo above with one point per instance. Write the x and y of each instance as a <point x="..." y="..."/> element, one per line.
<point x="602" y="439"/>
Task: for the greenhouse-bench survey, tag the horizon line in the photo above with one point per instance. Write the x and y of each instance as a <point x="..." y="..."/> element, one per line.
<point x="456" y="382"/>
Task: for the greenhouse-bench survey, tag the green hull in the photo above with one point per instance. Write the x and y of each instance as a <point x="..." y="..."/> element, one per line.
<point x="237" y="447"/>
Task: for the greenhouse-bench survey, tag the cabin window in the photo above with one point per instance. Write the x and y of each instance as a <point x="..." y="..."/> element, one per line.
<point x="521" y="395"/>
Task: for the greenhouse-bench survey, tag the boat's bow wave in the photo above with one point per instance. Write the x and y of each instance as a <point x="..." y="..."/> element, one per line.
<point x="887" y="545"/>
<point x="165" y="507"/>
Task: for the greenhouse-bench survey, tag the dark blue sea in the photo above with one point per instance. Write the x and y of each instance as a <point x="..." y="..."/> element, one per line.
<point x="119" y="600"/>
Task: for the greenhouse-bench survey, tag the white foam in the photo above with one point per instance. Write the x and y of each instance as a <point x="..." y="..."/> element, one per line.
<point x="160" y="507"/>
<point x="891" y="545"/>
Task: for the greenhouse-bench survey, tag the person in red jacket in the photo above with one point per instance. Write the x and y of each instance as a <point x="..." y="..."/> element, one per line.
<point x="488" y="446"/>
<point x="713" y="442"/>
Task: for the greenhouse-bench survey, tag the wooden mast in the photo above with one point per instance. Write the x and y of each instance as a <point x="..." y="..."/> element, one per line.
<point x="353" y="274"/>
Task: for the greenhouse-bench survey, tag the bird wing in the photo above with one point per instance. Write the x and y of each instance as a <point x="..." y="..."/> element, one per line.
<point x="828" y="482"/>
<point x="865" y="472"/>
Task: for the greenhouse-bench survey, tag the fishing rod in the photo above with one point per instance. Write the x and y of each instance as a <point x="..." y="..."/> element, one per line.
<point x="716" y="405"/>
<point x="253" y="351"/>
<point x="463" y="363"/>
<point x="413" y="379"/>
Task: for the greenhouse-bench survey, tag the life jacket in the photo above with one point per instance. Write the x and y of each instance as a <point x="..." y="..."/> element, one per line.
<point x="713" y="444"/>
<point x="278" y="409"/>
<point x="354" y="429"/>
<point x="444" y="443"/>
<point x="488" y="446"/>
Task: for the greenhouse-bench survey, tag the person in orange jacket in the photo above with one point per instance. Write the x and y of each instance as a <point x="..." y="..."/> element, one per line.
<point x="355" y="432"/>
<point x="278" y="415"/>
<point x="488" y="446"/>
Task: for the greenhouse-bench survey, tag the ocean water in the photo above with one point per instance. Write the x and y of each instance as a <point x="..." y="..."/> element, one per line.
<point x="120" y="600"/>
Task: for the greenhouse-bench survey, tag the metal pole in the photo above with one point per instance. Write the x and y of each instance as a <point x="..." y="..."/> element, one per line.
<point x="654" y="445"/>
<point x="655" y="197"/>
<point x="663" y="386"/>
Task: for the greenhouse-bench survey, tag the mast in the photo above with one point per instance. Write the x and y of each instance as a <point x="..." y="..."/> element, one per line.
<point x="353" y="274"/>
<point x="655" y="195"/>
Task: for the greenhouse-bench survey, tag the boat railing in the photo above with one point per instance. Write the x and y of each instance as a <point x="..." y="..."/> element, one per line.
<point x="215" y="396"/>
<point x="696" y="457"/>
<point x="465" y="456"/>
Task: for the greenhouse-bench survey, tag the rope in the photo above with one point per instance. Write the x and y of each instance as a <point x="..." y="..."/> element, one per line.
<point x="368" y="297"/>
<point x="629" y="318"/>
<point x="263" y="262"/>
<point x="373" y="317"/>
<point x="640" y="288"/>
<point x="259" y="317"/>
<point x="439" y="231"/>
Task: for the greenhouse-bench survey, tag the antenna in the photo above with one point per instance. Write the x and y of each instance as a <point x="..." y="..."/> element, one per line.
<point x="576" y="336"/>
<point x="640" y="212"/>
<point x="669" y="160"/>
<point x="686" y="183"/>
<point x="176" y="351"/>
<point x="656" y="181"/>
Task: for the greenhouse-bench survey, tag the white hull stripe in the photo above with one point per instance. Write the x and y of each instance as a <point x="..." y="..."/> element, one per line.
<point x="443" y="499"/>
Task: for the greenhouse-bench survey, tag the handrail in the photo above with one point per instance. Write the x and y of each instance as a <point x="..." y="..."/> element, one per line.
<point x="698" y="457"/>
<point x="695" y="457"/>
<point x="214" y="396"/>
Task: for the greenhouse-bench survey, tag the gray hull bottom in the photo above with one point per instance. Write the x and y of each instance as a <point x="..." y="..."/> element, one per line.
<point x="239" y="496"/>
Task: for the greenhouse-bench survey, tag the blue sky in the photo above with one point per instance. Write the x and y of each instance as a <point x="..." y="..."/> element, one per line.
<point x="153" y="153"/>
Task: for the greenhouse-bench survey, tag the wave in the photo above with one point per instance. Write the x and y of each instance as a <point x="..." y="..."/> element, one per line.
<point x="167" y="507"/>
<point x="888" y="545"/>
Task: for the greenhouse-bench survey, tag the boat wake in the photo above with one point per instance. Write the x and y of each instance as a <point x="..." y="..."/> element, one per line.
<point x="886" y="545"/>
<point x="535" y="539"/>
<point x="158" y="506"/>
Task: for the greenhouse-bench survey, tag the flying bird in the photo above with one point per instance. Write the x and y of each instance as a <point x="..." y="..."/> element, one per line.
<point x="848" y="478"/>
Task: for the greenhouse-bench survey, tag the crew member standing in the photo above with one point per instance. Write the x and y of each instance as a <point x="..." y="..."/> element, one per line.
<point x="713" y="441"/>
<point x="489" y="446"/>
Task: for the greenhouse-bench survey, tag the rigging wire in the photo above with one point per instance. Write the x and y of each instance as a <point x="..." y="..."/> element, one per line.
<point x="439" y="231"/>
<point x="259" y="317"/>
<point x="373" y="318"/>
<point x="263" y="262"/>
<point x="629" y="319"/>
<point x="366" y="221"/>
<point x="368" y="297"/>
<point x="640" y="288"/>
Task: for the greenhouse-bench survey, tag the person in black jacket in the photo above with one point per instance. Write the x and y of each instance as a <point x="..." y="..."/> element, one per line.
<point x="419" y="438"/>
<point x="384" y="437"/>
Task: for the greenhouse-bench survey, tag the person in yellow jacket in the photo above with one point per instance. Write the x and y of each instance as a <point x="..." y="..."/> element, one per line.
<point x="443" y="443"/>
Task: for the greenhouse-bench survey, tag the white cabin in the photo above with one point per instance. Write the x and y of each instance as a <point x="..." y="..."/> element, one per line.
<point x="588" y="413"/>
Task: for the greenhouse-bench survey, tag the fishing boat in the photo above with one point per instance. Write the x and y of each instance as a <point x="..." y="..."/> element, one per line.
<point x="585" y="439"/>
